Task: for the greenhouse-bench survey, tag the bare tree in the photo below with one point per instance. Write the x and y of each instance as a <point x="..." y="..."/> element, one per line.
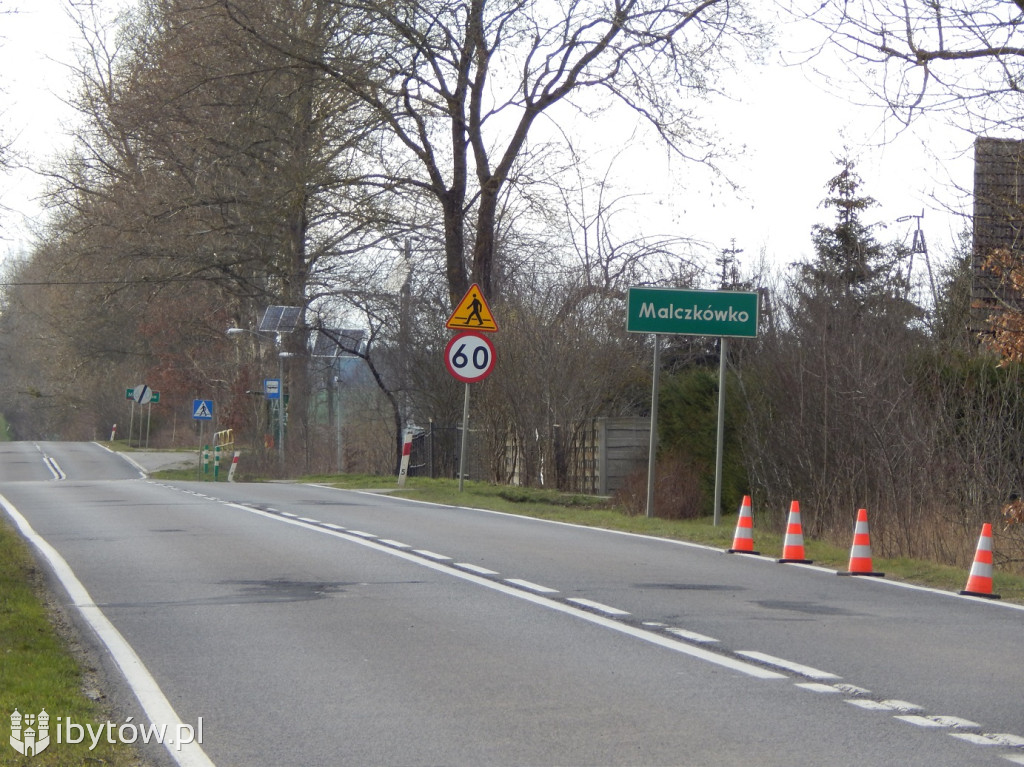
<point x="457" y="89"/>
<point x="961" y="57"/>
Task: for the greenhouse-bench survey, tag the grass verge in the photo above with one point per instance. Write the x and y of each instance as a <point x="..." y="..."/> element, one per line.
<point x="38" y="669"/>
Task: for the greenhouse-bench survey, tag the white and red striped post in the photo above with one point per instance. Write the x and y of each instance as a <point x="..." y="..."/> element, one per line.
<point x="113" y="432"/>
<point x="406" y="452"/>
<point x="234" y="465"/>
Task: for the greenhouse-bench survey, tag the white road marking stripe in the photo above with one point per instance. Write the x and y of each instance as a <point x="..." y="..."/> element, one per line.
<point x="954" y="721"/>
<point x="637" y="633"/>
<point x="475" y="568"/>
<point x="606" y="609"/>
<point x="333" y="526"/>
<point x="138" y="467"/>
<point x="693" y="636"/>
<point x="432" y="555"/>
<point x="819" y="687"/>
<point x="893" y="705"/>
<point x="991" y="739"/>
<point x="310" y="521"/>
<point x="535" y="587"/>
<point x="797" y="668"/>
<point x="288" y="514"/>
<point x="920" y="721"/>
<point x="901" y="705"/>
<point x="396" y="544"/>
<point x="869" y="705"/>
<point x="144" y="686"/>
<point x="977" y="740"/>
<point x="851" y="689"/>
<point x="54" y="468"/>
<point x="1006" y="739"/>
<point x="361" y="534"/>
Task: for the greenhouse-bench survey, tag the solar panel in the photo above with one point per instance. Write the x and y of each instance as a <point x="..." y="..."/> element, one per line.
<point x="280" y="319"/>
<point x="338" y="342"/>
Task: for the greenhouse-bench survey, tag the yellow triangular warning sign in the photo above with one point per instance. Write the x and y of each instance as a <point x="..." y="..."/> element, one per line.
<point x="472" y="313"/>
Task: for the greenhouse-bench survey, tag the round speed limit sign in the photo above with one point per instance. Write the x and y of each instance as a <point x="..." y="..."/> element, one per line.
<point x="469" y="357"/>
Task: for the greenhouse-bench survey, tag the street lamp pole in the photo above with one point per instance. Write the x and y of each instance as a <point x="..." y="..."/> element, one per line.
<point x="280" y="404"/>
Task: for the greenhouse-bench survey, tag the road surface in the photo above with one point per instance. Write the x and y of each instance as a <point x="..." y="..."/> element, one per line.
<point x="311" y="626"/>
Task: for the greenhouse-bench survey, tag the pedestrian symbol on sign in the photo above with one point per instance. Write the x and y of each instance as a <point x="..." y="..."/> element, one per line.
<point x="202" y="409"/>
<point x="472" y="313"/>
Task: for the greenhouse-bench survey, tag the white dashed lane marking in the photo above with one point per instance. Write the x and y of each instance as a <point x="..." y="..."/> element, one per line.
<point x="432" y="555"/>
<point x="601" y="608"/>
<point x="476" y="569"/>
<point x="529" y="586"/>
<point x="797" y="668"/>
<point x="692" y="636"/>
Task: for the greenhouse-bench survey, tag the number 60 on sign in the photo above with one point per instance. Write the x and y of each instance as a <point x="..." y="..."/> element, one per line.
<point x="469" y="357"/>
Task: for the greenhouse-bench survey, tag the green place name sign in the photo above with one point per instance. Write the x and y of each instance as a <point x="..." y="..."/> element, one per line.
<point x="692" y="312"/>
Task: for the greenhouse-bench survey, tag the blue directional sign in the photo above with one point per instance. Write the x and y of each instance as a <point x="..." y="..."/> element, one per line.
<point x="202" y="409"/>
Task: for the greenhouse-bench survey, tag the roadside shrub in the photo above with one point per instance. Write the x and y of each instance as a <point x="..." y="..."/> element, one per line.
<point x="678" y="492"/>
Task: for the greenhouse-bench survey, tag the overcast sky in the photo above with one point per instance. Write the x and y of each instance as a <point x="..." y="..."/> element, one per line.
<point x="786" y="127"/>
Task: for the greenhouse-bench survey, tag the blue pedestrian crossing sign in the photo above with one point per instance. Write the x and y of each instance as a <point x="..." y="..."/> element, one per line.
<point x="202" y="409"/>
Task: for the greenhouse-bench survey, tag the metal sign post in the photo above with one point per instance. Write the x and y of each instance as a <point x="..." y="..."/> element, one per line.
<point x="202" y="411"/>
<point x="652" y="454"/>
<point x="469" y="355"/>
<point x="723" y="350"/>
<point x="465" y="430"/>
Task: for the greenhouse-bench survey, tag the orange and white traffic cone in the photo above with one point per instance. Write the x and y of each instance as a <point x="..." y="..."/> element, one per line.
<point x="743" y="541"/>
<point x="793" y="546"/>
<point x="860" y="552"/>
<point x="979" y="582"/>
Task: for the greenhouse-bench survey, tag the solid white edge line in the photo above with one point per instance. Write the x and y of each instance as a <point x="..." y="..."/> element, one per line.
<point x="142" y="683"/>
<point x="138" y="467"/>
<point x="656" y="639"/>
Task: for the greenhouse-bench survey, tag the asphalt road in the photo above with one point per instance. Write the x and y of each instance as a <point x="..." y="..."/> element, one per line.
<point x="311" y="626"/>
